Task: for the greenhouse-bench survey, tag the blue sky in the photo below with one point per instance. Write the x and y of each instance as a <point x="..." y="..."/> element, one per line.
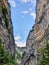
<point x="23" y="18"/>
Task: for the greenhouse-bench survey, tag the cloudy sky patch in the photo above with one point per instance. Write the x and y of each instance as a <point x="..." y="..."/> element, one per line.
<point x="33" y="15"/>
<point x="30" y="12"/>
<point x="22" y="25"/>
<point x="19" y="42"/>
<point x="25" y="12"/>
<point x="12" y="3"/>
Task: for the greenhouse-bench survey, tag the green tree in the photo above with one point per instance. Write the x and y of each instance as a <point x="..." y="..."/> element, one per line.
<point x="45" y="55"/>
<point x="5" y="57"/>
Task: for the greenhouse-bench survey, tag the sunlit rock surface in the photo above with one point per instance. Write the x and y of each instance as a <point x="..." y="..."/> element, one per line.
<point x="38" y="34"/>
<point x="6" y="28"/>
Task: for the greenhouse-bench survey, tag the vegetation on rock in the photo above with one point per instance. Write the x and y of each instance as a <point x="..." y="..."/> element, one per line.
<point x="45" y="55"/>
<point x="5" y="15"/>
<point x="5" y="57"/>
<point x="18" y="56"/>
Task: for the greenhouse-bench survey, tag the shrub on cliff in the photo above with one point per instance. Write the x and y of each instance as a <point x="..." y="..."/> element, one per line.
<point x="45" y="55"/>
<point x="5" y="57"/>
<point x="5" y="14"/>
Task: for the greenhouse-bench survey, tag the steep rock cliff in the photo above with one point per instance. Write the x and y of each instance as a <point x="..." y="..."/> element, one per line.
<point x="6" y="28"/>
<point x="38" y="34"/>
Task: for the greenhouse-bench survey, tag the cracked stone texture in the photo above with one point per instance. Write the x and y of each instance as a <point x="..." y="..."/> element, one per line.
<point x="38" y="35"/>
<point x="6" y="37"/>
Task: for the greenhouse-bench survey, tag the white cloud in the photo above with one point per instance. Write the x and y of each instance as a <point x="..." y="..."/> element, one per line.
<point x="17" y="38"/>
<point x="25" y="12"/>
<point x="30" y="9"/>
<point x="12" y="3"/>
<point x="33" y="14"/>
<point x="29" y="12"/>
<point x="31" y="1"/>
<point x="23" y="1"/>
<point x="19" y="42"/>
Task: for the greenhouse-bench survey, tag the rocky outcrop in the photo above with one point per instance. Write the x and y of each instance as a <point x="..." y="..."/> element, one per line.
<point x="38" y="34"/>
<point x="6" y="28"/>
<point x="29" y="55"/>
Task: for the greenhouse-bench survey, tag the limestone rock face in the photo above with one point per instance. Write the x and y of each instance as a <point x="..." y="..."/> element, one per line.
<point x="29" y="56"/>
<point x="38" y="34"/>
<point x="6" y="28"/>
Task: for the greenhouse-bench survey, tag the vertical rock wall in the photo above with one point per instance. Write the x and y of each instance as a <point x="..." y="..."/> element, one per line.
<point x="38" y="35"/>
<point x="6" y="28"/>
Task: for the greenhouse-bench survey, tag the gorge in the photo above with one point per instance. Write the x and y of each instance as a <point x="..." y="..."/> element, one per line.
<point x="35" y="41"/>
